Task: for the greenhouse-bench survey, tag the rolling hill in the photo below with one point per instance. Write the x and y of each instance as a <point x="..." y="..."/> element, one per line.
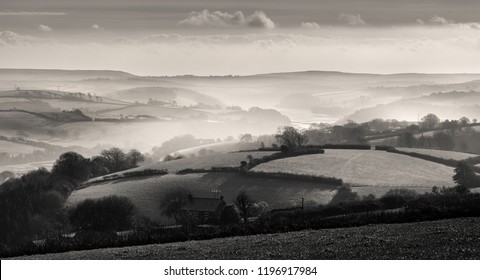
<point x="367" y="171"/>
<point x="181" y="96"/>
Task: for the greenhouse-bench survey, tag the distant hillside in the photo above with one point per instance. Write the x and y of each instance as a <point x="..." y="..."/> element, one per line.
<point x="181" y="96"/>
<point x="56" y="74"/>
<point x="448" y="105"/>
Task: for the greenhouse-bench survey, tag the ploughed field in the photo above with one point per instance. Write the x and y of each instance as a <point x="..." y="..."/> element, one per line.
<point x="444" y="239"/>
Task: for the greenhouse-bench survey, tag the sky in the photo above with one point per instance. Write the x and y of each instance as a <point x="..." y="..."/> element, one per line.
<point x="207" y="37"/>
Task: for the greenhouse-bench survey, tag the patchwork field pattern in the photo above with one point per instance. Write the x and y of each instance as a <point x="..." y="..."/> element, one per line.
<point x="147" y="192"/>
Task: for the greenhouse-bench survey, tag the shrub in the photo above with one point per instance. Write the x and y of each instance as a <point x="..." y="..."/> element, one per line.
<point x="105" y="214"/>
<point x="398" y="198"/>
<point x="344" y="194"/>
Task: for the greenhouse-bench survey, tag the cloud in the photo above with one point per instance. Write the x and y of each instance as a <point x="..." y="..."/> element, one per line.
<point x="223" y="19"/>
<point x="13" y="13"/>
<point x="352" y="19"/>
<point x="9" y="38"/>
<point x="440" y="20"/>
<point x="310" y="25"/>
<point x="96" y="27"/>
<point x="437" y="20"/>
<point x="44" y="28"/>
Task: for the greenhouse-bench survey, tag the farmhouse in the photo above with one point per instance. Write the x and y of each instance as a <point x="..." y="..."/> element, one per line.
<point x="204" y="210"/>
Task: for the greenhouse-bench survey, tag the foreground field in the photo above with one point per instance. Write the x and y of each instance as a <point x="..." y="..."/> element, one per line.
<point x="445" y="239"/>
<point x="147" y="192"/>
<point x="366" y="168"/>
<point x="439" y="153"/>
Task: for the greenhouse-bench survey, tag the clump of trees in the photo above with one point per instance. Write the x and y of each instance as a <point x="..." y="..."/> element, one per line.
<point x="290" y="138"/>
<point x="465" y="176"/>
<point x="112" y="213"/>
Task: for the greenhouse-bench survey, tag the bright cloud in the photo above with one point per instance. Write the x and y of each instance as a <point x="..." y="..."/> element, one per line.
<point x="223" y="19"/>
<point x="310" y="25"/>
<point x="352" y="19"/>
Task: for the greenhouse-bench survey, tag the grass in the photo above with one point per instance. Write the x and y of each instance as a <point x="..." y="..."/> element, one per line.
<point x="445" y="239"/>
<point x="366" y="168"/>
<point x="439" y="153"/>
<point x="206" y="162"/>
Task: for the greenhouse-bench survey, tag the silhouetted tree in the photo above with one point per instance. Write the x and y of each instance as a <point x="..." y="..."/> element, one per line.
<point x="172" y="203"/>
<point x="291" y="137"/>
<point x="105" y="214"/>
<point x="115" y="158"/>
<point x="134" y="157"/>
<point x="73" y="165"/>
<point x="344" y="194"/>
<point x="429" y="122"/>
<point x="229" y="215"/>
<point x="465" y="175"/>
<point x="244" y="204"/>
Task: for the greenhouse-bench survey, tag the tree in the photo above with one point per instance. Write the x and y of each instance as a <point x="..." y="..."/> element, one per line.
<point x="291" y="137"/>
<point x="465" y="175"/>
<point x="134" y="157"/>
<point x="172" y="204"/>
<point x="443" y="140"/>
<point x="246" y="137"/>
<point x="105" y="214"/>
<point x="244" y="204"/>
<point x="115" y="158"/>
<point x="72" y="165"/>
<point x="429" y="122"/>
<point x="229" y="215"/>
<point x="406" y="139"/>
<point x="344" y="194"/>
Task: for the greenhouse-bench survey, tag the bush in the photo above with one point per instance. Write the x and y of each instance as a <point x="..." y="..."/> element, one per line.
<point x="344" y="194"/>
<point x="398" y="198"/>
<point x="105" y="214"/>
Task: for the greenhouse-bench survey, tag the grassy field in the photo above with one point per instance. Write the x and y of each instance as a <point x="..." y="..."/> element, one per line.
<point x="366" y="168"/>
<point x="445" y="239"/>
<point x="439" y="153"/>
<point x="147" y="192"/>
<point x="206" y="162"/>
<point x="16" y="148"/>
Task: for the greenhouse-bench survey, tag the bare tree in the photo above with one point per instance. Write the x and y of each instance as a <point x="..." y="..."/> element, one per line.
<point x="244" y="204"/>
<point x="291" y="137"/>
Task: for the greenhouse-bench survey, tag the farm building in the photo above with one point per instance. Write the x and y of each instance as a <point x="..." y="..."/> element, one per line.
<point x="204" y="210"/>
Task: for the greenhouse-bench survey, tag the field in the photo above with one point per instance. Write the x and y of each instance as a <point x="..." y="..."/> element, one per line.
<point x="16" y="148"/>
<point x="445" y="239"/>
<point x="206" y="162"/>
<point x="366" y="169"/>
<point x="147" y="192"/>
<point x="439" y="153"/>
<point x="222" y="147"/>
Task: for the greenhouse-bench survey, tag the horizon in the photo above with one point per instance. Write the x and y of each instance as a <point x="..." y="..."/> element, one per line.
<point x="247" y="75"/>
